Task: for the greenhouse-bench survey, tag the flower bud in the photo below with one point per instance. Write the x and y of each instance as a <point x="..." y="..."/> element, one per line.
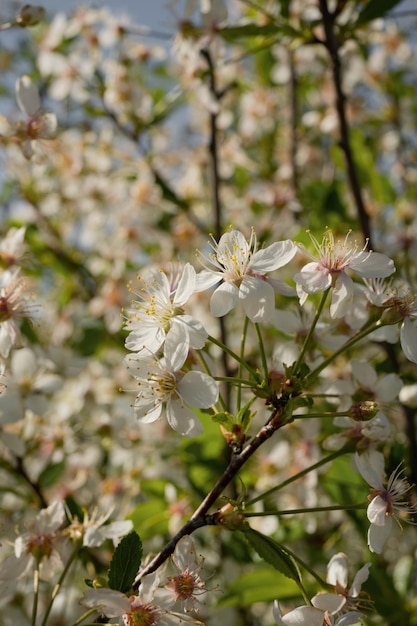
<point x="30" y="15"/>
<point x="363" y="411"/>
<point x="230" y="517"/>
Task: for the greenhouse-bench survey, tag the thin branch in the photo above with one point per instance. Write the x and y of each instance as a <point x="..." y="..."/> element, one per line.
<point x="332" y="45"/>
<point x="201" y="517"/>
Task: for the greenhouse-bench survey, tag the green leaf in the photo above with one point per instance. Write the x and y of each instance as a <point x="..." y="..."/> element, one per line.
<point x="125" y="563"/>
<point x="261" y="585"/>
<point x="273" y="553"/>
<point x="51" y="474"/>
<point x="374" y="9"/>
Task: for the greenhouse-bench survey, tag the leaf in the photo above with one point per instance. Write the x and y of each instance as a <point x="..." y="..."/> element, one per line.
<point x="231" y="33"/>
<point x="374" y="9"/>
<point x="125" y="563"/>
<point x="51" y="474"/>
<point x="273" y="553"/>
<point x="261" y="585"/>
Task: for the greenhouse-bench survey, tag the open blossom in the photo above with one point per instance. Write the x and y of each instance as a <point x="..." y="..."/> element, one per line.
<point x="322" y="613"/>
<point x="150" y="607"/>
<point x="94" y="531"/>
<point x="161" y="385"/>
<point x="329" y="270"/>
<point x="38" y="545"/>
<point x="14" y="304"/>
<point x="242" y="271"/>
<point x="401" y="305"/>
<point x="187" y="585"/>
<point x="156" y="316"/>
<point x="337" y="575"/>
<point x="388" y="498"/>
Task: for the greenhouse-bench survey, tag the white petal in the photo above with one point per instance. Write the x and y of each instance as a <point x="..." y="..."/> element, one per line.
<point x="348" y="619"/>
<point x="147" y="413"/>
<point x="328" y="602"/>
<point x="408" y="338"/>
<point x="370" y="465"/>
<point x="303" y="616"/>
<point x="337" y="570"/>
<point x="342" y="296"/>
<point x="224" y="299"/>
<point x="196" y="331"/>
<point x="372" y="265"/>
<point x="182" y="419"/>
<point x="205" y="280"/>
<point x="377" y="535"/>
<point x="198" y="390"/>
<point x="148" y="336"/>
<point x="361" y="576"/>
<point x="27" y="96"/>
<point x="376" y="511"/>
<point x="117" y="529"/>
<point x="113" y="603"/>
<point x="313" y="278"/>
<point x="258" y="299"/>
<point x="186" y="285"/>
<point x="176" y="346"/>
<point x="388" y="387"/>
<point x="364" y="373"/>
<point x="274" y="256"/>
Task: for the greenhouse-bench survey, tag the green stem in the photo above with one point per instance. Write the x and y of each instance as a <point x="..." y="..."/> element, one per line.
<point x="83" y="617"/>
<point x="242" y="355"/>
<point x="323" y="461"/>
<point x="310" y="333"/>
<point x="366" y="330"/>
<point x="262" y="349"/>
<point x="59" y="584"/>
<point x="318" y="509"/>
<point x="234" y="356"/>
<point x="328" y="414"/>
<point x="35" y="592"/>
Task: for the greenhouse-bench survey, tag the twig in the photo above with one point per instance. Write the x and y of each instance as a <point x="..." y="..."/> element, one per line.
<point x="332" y="46"/>
<point x="201" y="517"/>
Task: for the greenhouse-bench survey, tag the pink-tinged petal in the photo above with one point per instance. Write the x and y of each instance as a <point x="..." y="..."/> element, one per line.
<point x="186" y="285"/>
<point x="361" y="577"/>
<point x="408" y="338"/>
<point x="205" y="280"/>
<point x="274" y="256"/>
<point x="182" y="419"/>
<point x="378" y="535"/>
<point x="337" y="570"/>
<point x="377" y="511"/>
<point x="372" y="265"/>
<point x="342" y="296"/>
<point x="224" y="299"/>
<point x="330" y="602"/>
<point x="113" y="603"/>
<point x="313" y="278"/>
<point x="199" y="390"/>
<point x="258" y="299"/>
<point x="27" y="96"/>
<point x="370" y="465"/>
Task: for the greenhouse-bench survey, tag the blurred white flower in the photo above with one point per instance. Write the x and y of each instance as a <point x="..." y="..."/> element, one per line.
<point x="38" y="126"/>
<point x="160" y="384"/>
<point x="241" y="268"/>
<point x="388" y="498"/>
<point x="187" y="585"/>
<point x="14" y="304"/>
<point x="329" y="269"/>
<point x="156" y="316"/>
<point x="94" y="530"/>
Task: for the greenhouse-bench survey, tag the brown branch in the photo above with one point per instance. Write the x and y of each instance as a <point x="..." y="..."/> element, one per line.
<point x="332" y="46"/>
<point x="200" y="516"/>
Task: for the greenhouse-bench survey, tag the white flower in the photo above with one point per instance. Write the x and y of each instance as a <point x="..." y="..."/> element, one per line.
<point x="325" y="606"/>
<point x="157" y="317"/>
<point x="94" y="530"/>
<point x="337" y="575"/>
<point x="329" y="269"/>
<point x="387" y="502"/>
<point x="14" y="304"/>
<point x="242" y="268"/>
<point x="161" y="385"/>
<point x="37" y="545"/>
<point x="187" y="584"/>
<point x="38" y="126"/>
<point x="12" y="247"/>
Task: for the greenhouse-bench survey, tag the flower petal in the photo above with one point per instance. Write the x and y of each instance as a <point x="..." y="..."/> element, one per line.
<point x="408" y="338"/>
<point x="258" y="299"/>
<point x="274" y="256"/>
<point x="27" y="96"/>
<point x="377" y="511"/>
<point x="313" y="278"/>
<point x="199" y="390"/>
<point x="342" y="296"/>
<point x="224" y="299"/>
<point x="372" y="265"/>
<point x="377" y="535"/>
<point x="182" y="419"/>
<point x="186" y="285"/>
<point x="330" y="602"/>
<point x="361" y="576"/>
<point x="337" y="570"/>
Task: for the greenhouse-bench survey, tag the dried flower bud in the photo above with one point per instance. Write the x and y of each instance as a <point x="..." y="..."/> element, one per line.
<point x="30" y="15"/>
<point x="363" y="411"/>
<point x="230" y="517"/>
